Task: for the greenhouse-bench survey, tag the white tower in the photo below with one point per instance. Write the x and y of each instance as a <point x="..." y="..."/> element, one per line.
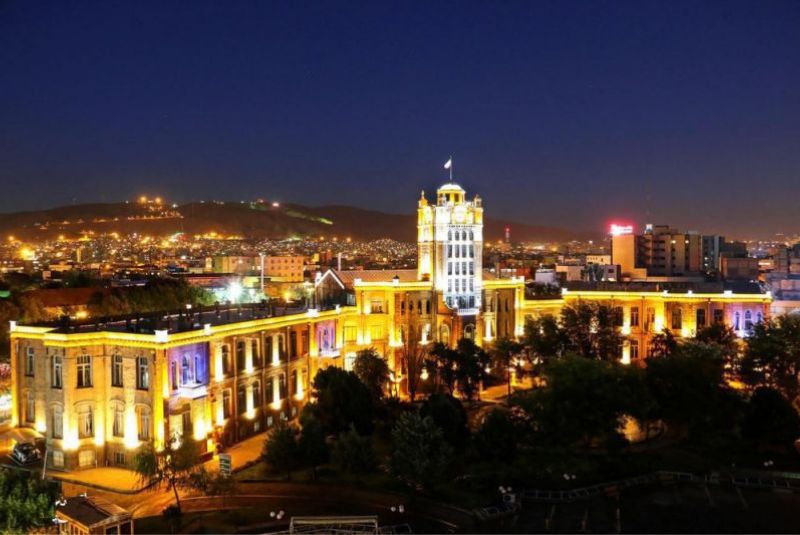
<point x="450" y="247"/>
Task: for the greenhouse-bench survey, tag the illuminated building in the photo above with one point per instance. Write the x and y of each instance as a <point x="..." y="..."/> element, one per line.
<point x="660" y="251"/>
<point x="97" y="391"/>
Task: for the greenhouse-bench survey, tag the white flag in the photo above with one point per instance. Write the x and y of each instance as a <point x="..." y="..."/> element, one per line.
<point x="448" y="164"/>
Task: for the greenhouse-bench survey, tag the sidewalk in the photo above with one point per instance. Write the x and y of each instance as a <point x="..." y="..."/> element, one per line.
<point x="124" y="481"/>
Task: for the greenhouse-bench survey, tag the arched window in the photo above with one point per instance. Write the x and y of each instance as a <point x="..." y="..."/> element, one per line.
<point x="759" y="317"/>
<point x="748" y="321"/>
<point x="471" y="236"/>
<point x="464" y="235"/>
<point x="427" y="306"/>
<point x="143" y="422"/>
<point x="186" y="370"/>
<point x="449" y="235"/>
<point x="737" y="321"/>
<point x="226" y="359"/>
<point x="57" y="422"/>
<point x="469" y="332"/>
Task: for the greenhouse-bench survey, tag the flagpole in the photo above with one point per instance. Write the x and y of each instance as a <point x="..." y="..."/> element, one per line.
<point x="451" y="168"/>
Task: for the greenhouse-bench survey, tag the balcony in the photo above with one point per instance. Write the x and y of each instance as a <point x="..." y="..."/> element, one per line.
<point x="191" y="391"/>
<point x="330" y="353"/>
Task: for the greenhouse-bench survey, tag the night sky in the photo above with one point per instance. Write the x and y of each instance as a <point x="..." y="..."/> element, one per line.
<point x="560" y="113"/>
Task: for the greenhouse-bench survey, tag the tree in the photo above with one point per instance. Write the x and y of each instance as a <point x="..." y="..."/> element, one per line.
<point x="448" y="413"/>
<point x="280" y="448"/>
<point x="591" y="331"/>
<point x="663" y="344"/>
<point x="313" y="448"/>
<point x="584" y="399"/>
<point x="420" y="453"/>
<point x="341" y="400"/>
<point x="176" y="466"/>
<point x="26" y="502"/>
<point x="470" y="371"/>
<point x="505" y="352"/>
<point x="497" y="437"/>
<point x="772" y="355"/>
<point x="443" y="364"/>
<point x="354" y="453"/>
<point x="770" y="420"/>
<point x="686" y="384"/>
<point x="543" y="340"/>
<point x="413" y="358"/>
<point x="373" y="371"/>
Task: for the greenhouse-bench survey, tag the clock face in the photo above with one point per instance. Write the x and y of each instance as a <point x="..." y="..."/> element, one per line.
<point x="460" y="214"/>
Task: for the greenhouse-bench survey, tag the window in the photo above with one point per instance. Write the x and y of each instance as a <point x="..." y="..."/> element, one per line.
<point x="86" y="458"/>
<point x="269" y="391"/>
<point x="86" y="422"/>
<point x="282" y="387"/>
<point x="119" y="421"/>
<point x="57" y="423"/>
<point x="701" y="318"/>
<point x="84" y="371"/>
<point x="57" y="380"/>
<point x="256" y="393"/>
<point x="719" y="315"/>
<point x="142" y="374"/>
<point x="634" y="316"/>
<point x="634" y="349"/>
<point x="241" y="399"/>
<point x="143" y="422"/>
<point x="292" y="344"/>
<point x="30" y="407"/>
<point x="187" y="377"/>
<point x="240" y="356"/>
<point x="119" y="459"/>
<point x="116" y="370"/>
<point x="376" y="332"/>
<point x="226" y="404"/>
<point x="255" y="353"/>
<point x="58" y="459"/>
<point x="226" y="360"/>
<point x="618" y="316"/>
<point x="737" y="321"/>
<point x="651" y="318"/>
<point x="376" y="307"/>
<point x="748" y="321"/>
<point x="677" y="318"/>
<point x="29" y="363"/>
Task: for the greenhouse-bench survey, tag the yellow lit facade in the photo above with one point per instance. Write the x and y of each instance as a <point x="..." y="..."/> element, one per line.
<point x="98" y="394"/>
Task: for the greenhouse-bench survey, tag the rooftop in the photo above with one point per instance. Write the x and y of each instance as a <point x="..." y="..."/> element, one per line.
<point x="675" y="287"/>
<point x="91" y="510"/>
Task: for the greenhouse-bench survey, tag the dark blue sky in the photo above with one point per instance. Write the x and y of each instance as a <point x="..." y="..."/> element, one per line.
<point x="561" y="113"/>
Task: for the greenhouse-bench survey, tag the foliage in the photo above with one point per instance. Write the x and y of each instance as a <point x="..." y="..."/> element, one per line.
<point x="448" y="413"/>
<point x="590" y="331"/>
<point x="373" y="371"/>
<point x="413" y="357"/>
<point x="312" y="446"/>
<point x="584" y="399"/>
<point x="772" y="355"/>
<point x="505" y="353"/>
<point x="497" y="437"/>
<point x="420" y="454"/>
<point x="663" y="344"/>
<point x="770" y="419"/>
<point x="687" y="384"/>
<point x="281" y="451"/>
<point x="176" y="466"/>
<point x="341" y="400"/>
<point x="157" y="295"/>
<point x="543" y="340"/>
<point x="26" y="502"/>
<point x="354" y="453"/>
<point x="462" y="368"/>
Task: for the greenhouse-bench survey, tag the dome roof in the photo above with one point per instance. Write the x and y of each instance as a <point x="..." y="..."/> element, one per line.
<point x="451" y="187"/>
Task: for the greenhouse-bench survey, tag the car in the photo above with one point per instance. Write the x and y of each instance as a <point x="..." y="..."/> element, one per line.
<point x="25" y="453"/>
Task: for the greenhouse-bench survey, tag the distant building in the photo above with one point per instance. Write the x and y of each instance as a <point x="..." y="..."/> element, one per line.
<point x="238" y="265"/>
<point x="732" y="268"/>
<point x="661" y="251"/>
<point x="284" y="268"/>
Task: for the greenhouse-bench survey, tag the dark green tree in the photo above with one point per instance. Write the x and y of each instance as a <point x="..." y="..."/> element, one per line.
<point x="497" y="437"/>
<point x="772" y="355"/>
<point x="420" y="453"/>
<point x="373" y="371"/>
<point x="505" y="353"/>
<point x="470" y="371"/>
<point x="313" y="448"/>
<point x="543" y="340"/>
<point x="354" y="453"/>
<point x="341" y="400"/>
<point x="176" y="466"/>
<point x="448" y="413"/>
<point x="281" y="451"/>
<point x="770" y="420"/>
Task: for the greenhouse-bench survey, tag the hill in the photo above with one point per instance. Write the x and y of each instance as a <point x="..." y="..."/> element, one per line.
<point x="250" y="220"/>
